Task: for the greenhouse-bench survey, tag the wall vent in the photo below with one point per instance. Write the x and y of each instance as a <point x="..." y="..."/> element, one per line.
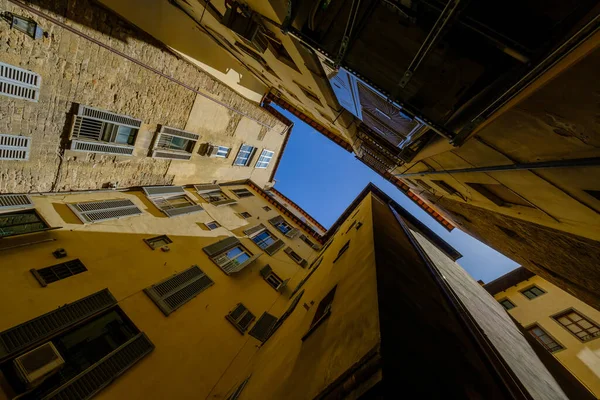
<point x="13" y="147"/>
<point x="19" y="83"/>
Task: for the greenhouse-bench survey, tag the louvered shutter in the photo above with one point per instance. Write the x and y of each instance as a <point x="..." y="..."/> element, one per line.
<point x="263" y="326"/>
<point x="103" y="148"/>
<point x="12" y="201"/>
<point x="266" y="270"/>
<point x="303" y="263"/>
<point x="277" y="220"/>
<point x="39" y="329"/>
<point x="162" y="143"/>
<point x="283" y="285"/>
<point x="274" y="247"/>
<point x="226" y="202"/>
<point x="163" y="191"/>
<point x="177" y="290"/>
<point x="231" y="267"/>
<point x="19" y="83"/>
<point x="221" y="246"/>
<point x="13" y="147"/>
<point x="293" y="233"/>
<point x="206" y="188"/>
<point x="96" y="211"/>
<point x="101" y="374"/>
<point x="174" y="212"/>
<point x="254" y="229"/>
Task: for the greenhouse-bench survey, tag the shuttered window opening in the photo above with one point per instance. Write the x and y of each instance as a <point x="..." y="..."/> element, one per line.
<point x="230" y="255"/>
<point x="242" y="193"/>
<point x="214" y="195"/>
<point x="97" y="211"/>
<point x="283" y="227"/>
<point x="116" y="133"/>
<point x="58" y="272"/>
<point x="163" y="190"/>
<point x="15" y="339"/>
<point x="177" y="290"/>
<point x="240" y="317"/>
<point x="273" y="279"/>
<point x="101" y="374"/>
<point x="19" y="83"/>
<point x="171" y="200"/>
<point x="13" y="201"/>
<point x="174" y="143"/>
<point x="158" y="242"/>
<point x="294" y="256"/>
<point x="21" y="222"/>
<point x="13" y="147"/>
<point x="263" y="326"/>
<point x="267" y="241"/>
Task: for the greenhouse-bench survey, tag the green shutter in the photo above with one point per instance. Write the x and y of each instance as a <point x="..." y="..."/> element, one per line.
<point x="221" y="246"/>
<point x="275" y="247"/>
<point x="277" y="220"/>
<point x="254" y="229"/>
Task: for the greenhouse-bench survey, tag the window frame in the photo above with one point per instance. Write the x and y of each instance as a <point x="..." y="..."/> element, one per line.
<point x="207" y="224"/>
<point x="222" y="256"/>
<point x="284" y="223"/>
<point x="267" y="208"/>
<point x="219" y="151"/>
<point x="277" y="281"/>
<point x="501" y="301"/>
<point x="151" y="241"/>
<point x="240" y="160"/>
<point x="528" y="288"/>
<point x="261" y="242"/>
<point x="563" y="314"/>
<point x="242" y="192"/>
<point x="245" y="215"/>
<point x="33" y="211"/>
<point x="529" y="328"/>
<point x="236" y="321"/>
<point x="264" y="159"/>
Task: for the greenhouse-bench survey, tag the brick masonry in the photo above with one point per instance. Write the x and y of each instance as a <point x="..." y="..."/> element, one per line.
<point x="566" y="260"/>
<point x="75" y="70"/>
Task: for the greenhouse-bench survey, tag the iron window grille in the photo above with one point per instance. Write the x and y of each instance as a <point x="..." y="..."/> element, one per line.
<point x="267" y="208"/>
<point x="212" y="225"/>
<point x="245" y="215"/>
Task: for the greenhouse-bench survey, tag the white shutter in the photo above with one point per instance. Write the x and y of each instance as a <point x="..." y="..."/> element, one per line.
<point x="12" y="201"/>
<point x="95" y="211"/>
<point x="179" y="133"/>
<point x="14" y="147"/>
<point x="98" y="147"/>
<point x="163" y="139"/>
<point x="206" y="188"/>
<point x="19" y="83"/>
<point x="107" y="116"/>
<point x="163" y="191"/>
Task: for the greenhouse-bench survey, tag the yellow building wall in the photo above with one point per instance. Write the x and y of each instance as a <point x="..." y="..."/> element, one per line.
<point x="287" y="367"/>
<point x="195" y="344"/>
<point x="540" y="310"/>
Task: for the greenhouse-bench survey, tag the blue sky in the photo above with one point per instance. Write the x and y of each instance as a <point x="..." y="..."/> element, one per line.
<point x="323" y="179"/>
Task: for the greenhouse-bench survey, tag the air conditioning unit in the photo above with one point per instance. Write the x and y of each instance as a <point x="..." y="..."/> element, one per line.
<point x="243" y="21"/>
<point x="34" y="366"/>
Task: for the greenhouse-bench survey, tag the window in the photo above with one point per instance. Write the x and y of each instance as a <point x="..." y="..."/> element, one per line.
<point x="264" y="239"/>
<point x="212" y="225"/>
<point x="104" y="210"/>
<point x="294" y="256"/>
<point x="58" y="272"/>
<point x="13" y="147"/>
<point x="499" y="194"/>
<point x="578" y="325"/>
<point x="342" y="250"/>
<point x="245" y="215"/>
<point x="20" y="223"/>
<point x="264" y="159"/>
<point x="546" y="340"/>
<point x="272" y="278"/>
<point x="174" y="143"/>
<point x="240" y="317"/>
<point x="322" y="313"/>
<point x="177" y="205"/>
<point x="244" y="156"/>
<point x="177" y="290"/>
<point x="266" y="208"/>
<point x="423" y="184"/>
<point x="222" y="152"/>
<point x="447" y="188"/>
<point x="532" y="292"/>
<point x="242" y="193"/>
<point x="284" y="227"/>
<point x="306" y="240"/>
<point x="358" y="225"/>
<point x="507" y="304"/>
<point x="238" y="391"/>
<point x="158" y="242"/>
<point x="103" y="126"/>
<point x="230" y="255"/>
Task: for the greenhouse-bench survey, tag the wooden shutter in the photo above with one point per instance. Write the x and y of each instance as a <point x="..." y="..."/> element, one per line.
<point x="101" y="374"/>
<point x="174" y="292"/>
<point x="39" y="329"/>
<point x="13" y="147"/>
<point x="254" y="229"/>
<point x="221" y="246"/>
<point x="293" y="233"/>
<point x="96" y="211"/>
<point x="163" y="191"/>
<point x="263" y="327"/>
<point x="275" y="247"/>
<point x="19" y="83"/>
<point x="277" y="220"/>
<point x="15" y="201"/>
<point x="240" y="317"/>
<point x="266" y="270"/>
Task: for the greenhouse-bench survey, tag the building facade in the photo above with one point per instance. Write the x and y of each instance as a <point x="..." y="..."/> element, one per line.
<point x="566" y="327"/>
<point x="208" y="291"/>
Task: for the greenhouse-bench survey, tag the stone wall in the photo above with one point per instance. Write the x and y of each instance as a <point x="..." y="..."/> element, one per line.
<point x="75" y="70"/>
<point x="566" y="260"/>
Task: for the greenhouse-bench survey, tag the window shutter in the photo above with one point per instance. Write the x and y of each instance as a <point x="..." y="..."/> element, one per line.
<point x="231" y="268"/>
<point x="171" y="155"/>
<point x="19" y="83"/>
<point x="240" y="317"/>
<point x="221" y="246"/>
<point x="254" y="229"/>
<point x="288" y="250"/>
<point x="59" y="271"/>
<point x="206" y="188"/>
<point x="12" y="201"/>
<point x="226" y="202"/>
<point x="13" y="147"/>
<point x="163" y="191"/>
<point x="303" y="263"/>
<point x="103" y="148"/>
<point x="101" y="374"/>
<point x="96" y="211"/>
<point x="174" y="212"/>
<point x="293" y="233"/>
<point x="275" y="247"/>
<point x="41" y="328"/>
<point x="266" y="270"/>
<point x="177" y="290"/>
<point x="277" y="220"/>
<point x="167" y="130"/>
<point x="163" y="139"/>
<point x="263" y="327"/>
<point x="283" y="285"/>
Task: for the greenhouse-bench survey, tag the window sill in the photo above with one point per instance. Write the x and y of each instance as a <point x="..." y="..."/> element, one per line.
<point x="316" y="325"/>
